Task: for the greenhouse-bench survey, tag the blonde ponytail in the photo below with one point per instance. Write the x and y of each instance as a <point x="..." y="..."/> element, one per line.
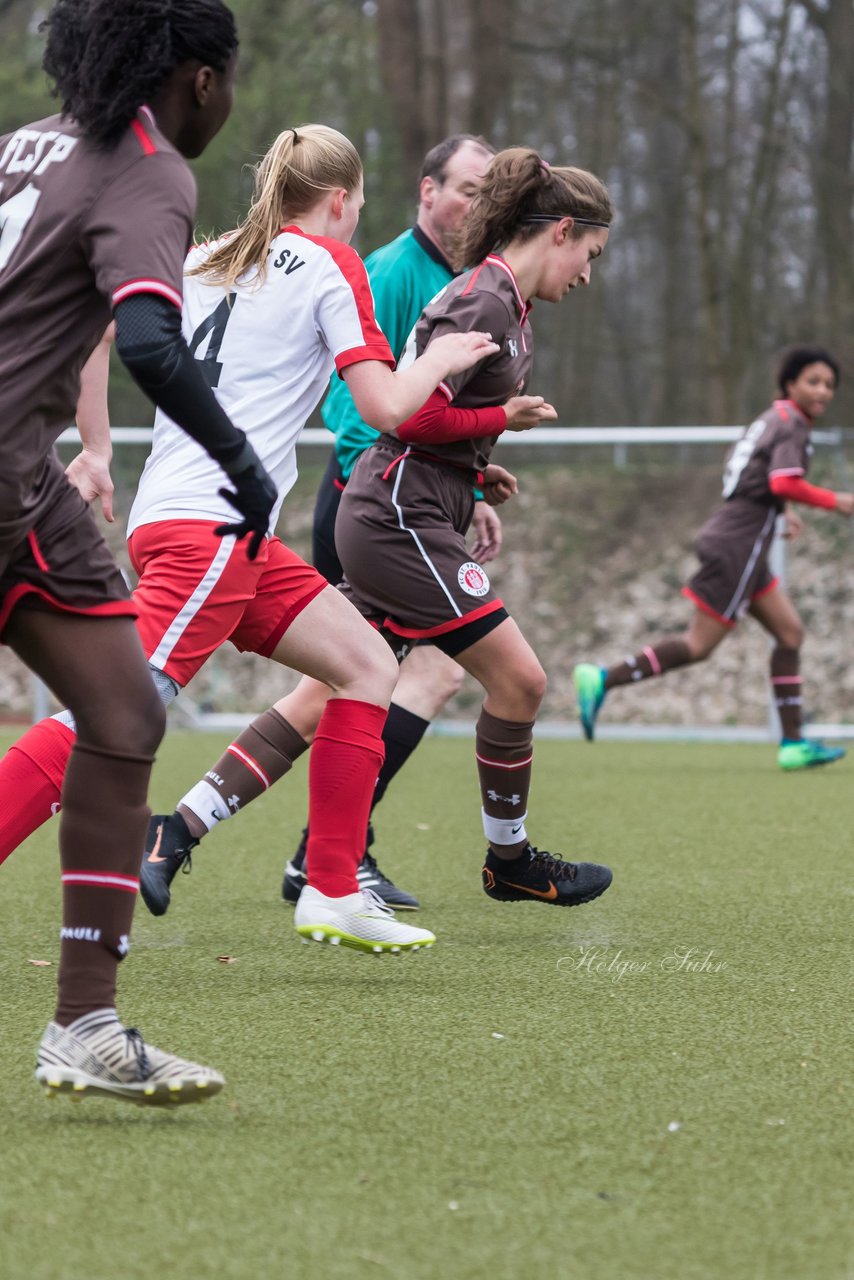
<point x="300" y="167"/>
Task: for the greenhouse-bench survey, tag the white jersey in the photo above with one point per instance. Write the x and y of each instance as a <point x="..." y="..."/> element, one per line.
<point x="268" y="352"/>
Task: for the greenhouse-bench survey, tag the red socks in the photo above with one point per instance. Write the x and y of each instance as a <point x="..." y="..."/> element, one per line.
<point x="343" y="764"/>
<point x="31" y="775"/>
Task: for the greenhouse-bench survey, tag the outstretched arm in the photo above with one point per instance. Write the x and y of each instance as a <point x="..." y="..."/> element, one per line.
<point x="386" y="397"/>
<point x="797" y="489"/>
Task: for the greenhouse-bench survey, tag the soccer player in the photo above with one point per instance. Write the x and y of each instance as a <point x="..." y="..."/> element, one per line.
<point x="403" y="517"/>
<point x="270" y="310"/>
<point x="765" y="469"/>
<point x="405" y="275"/>
<point x="96" y="212"/>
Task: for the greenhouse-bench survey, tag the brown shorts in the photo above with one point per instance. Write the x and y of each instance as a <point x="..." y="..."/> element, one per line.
<point x="733" y="549"/>
<point x="63" y="562"/>
<point x="400" y="536"/>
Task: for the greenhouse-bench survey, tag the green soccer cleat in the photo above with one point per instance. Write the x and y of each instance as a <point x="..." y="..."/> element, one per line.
<point x="806" y="753"/>
<point x="589" y="681"/>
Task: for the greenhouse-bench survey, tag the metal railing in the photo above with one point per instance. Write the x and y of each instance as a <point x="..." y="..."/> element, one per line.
<point x="620" y="439"/>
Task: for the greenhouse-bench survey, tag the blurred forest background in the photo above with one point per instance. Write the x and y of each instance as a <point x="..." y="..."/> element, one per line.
<point x="723" y="128"/>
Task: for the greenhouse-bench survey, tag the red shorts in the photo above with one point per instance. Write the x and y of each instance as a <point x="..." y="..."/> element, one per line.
<point x="196" y="591"/>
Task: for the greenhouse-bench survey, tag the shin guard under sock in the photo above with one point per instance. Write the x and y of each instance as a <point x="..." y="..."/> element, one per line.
<point x="343" y="764"/>
<point x="654" y="660"/>
<point x="402" y="733"/>
<point x="31" y="775"/>
<point x="786" y="687"/>
<point x="101" y="837"/>
<point x="263" y="753"/>
<point x="505" y="752"/>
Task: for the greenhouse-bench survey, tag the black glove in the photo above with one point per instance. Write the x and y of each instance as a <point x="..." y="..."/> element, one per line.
<point x="254" y="496"/>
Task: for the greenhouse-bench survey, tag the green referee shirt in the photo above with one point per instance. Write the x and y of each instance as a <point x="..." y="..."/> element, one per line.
<point x="405" y="275"/>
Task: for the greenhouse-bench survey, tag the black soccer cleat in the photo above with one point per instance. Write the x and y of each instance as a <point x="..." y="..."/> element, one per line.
<point x="368" y="875"/>
<point x="167" y="851"/>
<point x="295" y="878"/>
<point x="543" y="878"/>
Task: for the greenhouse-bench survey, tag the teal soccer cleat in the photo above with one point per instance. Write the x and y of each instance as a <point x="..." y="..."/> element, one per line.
<point x="589" y="682"/>
<point x="806" y="754"/>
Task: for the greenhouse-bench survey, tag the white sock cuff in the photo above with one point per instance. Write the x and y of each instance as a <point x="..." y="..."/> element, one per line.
<point x="504" y="830"/>
<point x="207" y="804"/>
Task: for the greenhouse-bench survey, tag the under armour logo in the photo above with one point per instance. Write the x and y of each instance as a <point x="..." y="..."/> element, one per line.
<point x="233" y="803"/>
<point x="513" y="346"/>
<point x="499" y="799"/>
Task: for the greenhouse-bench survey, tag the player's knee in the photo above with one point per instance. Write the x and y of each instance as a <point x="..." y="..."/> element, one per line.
<point x="376" y="669"/>
<point x="791" y="636"/>
<point x="528" y="688"/>
<point x="699" y="646"/>
<point x="438" y="674"/>
<point x="135" y="724"/>
<point x="698" y="649"/>
<point x="449" y="681"/>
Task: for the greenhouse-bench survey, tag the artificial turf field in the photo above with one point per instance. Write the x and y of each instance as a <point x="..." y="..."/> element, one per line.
<point x="547" y="1094"/>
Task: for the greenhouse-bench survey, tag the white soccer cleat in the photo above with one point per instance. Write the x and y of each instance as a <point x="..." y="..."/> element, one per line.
<point x="359" y="920"/>
<point x="97" y="1055"/>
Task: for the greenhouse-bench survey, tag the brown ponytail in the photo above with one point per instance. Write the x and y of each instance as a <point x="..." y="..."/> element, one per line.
<point x="519" y="185"/>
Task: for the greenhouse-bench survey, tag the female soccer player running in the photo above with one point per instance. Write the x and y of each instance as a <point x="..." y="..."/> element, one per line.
<point x="764" y="471"/>
<point x="270" y="310"/>
<point x="96" y="211"/>
<point x="400" y="535"/>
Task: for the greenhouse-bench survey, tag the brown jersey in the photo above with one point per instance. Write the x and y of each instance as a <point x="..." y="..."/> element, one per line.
<point x="776" y="444"/>
<point x="486" y="299"/>
<point x="81" y="228"/>
<point x="734" y="543"/>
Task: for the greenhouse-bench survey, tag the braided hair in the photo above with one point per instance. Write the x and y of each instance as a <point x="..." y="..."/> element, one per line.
<point x="107" y="59"/>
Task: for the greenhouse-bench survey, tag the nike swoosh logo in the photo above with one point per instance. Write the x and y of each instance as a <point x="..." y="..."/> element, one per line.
<point x="514" y="831"/>
<point x="550" y="894"/>
<point x="154" y="855"/>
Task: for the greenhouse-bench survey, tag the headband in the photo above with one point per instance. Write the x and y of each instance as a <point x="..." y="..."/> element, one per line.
<point x="558" y="217"/>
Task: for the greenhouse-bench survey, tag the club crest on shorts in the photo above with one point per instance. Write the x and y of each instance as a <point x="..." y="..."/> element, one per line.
<point x="472" y="579"/>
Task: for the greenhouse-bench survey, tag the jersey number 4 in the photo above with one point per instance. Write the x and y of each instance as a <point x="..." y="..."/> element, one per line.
<point x="741" y="455"/>
<point x="15" y="213"/>
<point x="214" y="326"/>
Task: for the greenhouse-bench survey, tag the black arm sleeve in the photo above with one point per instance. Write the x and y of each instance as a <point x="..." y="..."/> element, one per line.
<point x="152" y="346"/>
